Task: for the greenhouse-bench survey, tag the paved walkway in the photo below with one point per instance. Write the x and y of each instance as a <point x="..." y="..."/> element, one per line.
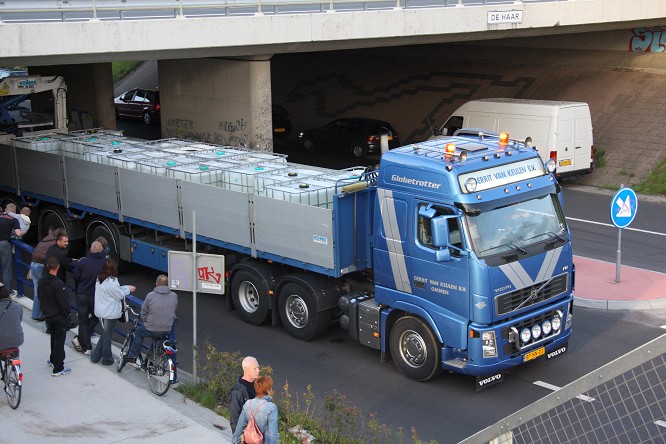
<point x="94" y="404"/>
<point x="638" y="289"/>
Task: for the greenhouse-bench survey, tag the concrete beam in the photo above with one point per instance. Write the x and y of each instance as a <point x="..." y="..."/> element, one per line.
<point x="77" y="42"/>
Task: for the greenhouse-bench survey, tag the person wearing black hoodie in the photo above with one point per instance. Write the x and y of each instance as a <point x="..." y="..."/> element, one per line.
<point x="85" y="275"/>
<point x="55" y="307"/>
<point x="59" y="251"/>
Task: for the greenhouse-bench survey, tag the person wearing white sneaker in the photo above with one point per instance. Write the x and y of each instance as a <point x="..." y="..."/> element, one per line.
<point x="55" y="307"/>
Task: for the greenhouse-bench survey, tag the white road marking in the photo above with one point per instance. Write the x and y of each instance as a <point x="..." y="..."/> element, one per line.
<point x="663" y="326"/>
<point x="556" y="388"/>
<point x="613" y="226"/>
<point x="660" y="423"/>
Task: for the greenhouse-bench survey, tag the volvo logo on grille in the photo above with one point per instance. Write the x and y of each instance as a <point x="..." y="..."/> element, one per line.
<point x="534" y="293"/>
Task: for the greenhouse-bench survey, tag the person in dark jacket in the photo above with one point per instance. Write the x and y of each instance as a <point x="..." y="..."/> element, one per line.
<point x="158" y="312"/>
<point x="85" y="275"/>
<point x="37" y="269"/>
<point x="11" y="315"/>
<point x="59" y="251"/>
<point x="55" y="307"/>
<point x="243" y="390"/>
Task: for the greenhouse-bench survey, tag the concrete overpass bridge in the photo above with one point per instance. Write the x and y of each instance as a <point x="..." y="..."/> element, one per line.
<point x="399" y="60"/>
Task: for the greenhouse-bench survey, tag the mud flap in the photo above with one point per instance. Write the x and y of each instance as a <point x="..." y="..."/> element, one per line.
<point x="486" y="381"/>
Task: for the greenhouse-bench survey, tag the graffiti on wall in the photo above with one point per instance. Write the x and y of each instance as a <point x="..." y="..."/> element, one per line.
<point x="230" y="133"/>
<point x="648" y="40"/>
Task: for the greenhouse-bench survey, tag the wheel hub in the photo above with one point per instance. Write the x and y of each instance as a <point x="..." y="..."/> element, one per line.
<point x="413" y="349"/>
<point x="248" y="296"/>
<point x="297" y="311"/>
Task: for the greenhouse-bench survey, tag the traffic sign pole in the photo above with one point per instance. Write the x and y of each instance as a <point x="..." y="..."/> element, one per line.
<point x="195" y="357"/>
<point x="623" y="209"/>
<point x="618" y="259"/>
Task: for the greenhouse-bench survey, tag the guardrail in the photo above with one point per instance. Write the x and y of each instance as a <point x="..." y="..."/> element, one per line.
<point x="15" y="11"/>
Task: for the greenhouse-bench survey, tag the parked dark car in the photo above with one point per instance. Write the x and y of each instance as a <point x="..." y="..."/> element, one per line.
<point x="139" y="103"/>
<point x="281" y="122"/>
<point x="358" y="136"/>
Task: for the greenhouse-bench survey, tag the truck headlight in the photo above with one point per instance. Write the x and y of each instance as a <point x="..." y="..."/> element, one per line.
<point x="557" y="323"/>
<point x="470" y="185"/>
<point x="546" y="327"/>
<point x="536" y="331"/>
<point x="489" y="346"/>
<point x="525" y="335"/>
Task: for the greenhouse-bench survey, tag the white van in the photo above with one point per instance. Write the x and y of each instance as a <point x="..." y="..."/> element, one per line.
<point x="559" y="130"/>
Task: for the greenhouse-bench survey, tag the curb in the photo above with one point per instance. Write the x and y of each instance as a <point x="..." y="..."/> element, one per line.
<point x="601" y="304"/>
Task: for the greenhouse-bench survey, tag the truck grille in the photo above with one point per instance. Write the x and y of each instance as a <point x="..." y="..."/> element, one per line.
<point x="508" y="302"/>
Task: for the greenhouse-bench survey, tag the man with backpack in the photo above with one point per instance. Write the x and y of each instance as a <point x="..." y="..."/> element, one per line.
<point x="243" y="389"/>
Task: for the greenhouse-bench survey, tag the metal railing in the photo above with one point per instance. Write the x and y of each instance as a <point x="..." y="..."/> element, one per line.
<point x="21" y="261"/>
<point x="15" y="11"/>
<point x="619" y="402"/>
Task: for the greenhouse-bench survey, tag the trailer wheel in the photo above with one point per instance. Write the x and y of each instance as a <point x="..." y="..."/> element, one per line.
<point x="101" y="230"/>
<point x="250" y="297"/>
<point x="299" y="314"/>
<point x="49" y="219"/>
<point x="415" y="349"/>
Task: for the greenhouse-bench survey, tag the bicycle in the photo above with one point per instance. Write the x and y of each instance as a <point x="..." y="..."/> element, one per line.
<point x="157" y="364"/>
<point x="10" y="366"/>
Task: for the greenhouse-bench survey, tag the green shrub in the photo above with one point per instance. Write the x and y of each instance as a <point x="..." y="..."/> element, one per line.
<point x="332" y="421"/>
<point x="599" y="158"/>
<point x="655" y="183"/>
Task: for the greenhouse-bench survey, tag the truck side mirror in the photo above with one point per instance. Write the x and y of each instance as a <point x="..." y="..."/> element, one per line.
<point x="440" y="231"/>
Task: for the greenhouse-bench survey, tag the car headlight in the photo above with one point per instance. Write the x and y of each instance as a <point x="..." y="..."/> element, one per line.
<point x="536" y="331"/>
<point x="489" y="346"/>
<point x="557" y="323"/>
<point x="546" y="327"/>
<point x="470" y="185"/>
<point x="525" y="335"/>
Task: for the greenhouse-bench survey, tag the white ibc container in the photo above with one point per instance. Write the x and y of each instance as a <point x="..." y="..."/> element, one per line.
<point x="314" y="193"/>
<point x="245" y="179"/>
<point x="159" y="167"/>
<point x="293" y="173"/>
<point x="253" y="157"/>
<point x="203" y="174"/>
<point x="219" y="153"/>
<point x="126" y="160"/>
<point x="47" y="142"/>
<point x="78" y="146"/>
<point x="163" y="144"/>
<point x="346" y="174"/>
<point x="101" y="152"/>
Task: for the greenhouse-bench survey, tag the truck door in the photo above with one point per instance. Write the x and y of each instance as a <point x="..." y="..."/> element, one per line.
<point x="440" y="284"/>
<point x="582" y="138"/>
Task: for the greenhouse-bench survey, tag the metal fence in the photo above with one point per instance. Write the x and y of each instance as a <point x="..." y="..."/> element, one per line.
<point x="20" y="11"/>
<point x="621" y="402"/>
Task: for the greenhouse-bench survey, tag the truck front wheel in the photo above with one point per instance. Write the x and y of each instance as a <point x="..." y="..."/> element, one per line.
<point x="415" y="349"/>
<point x="299" y="314"/>
<point x="250" y="297"/>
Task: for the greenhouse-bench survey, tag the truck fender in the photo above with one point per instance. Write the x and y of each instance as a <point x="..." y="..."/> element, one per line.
<point x="327" y="291"/>
<point x="268" y="273"/>
<point x="397" y="310"/>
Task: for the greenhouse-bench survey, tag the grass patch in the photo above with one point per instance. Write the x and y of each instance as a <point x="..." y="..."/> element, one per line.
<point x="120" y="69"/>
<point x="655" y="183"/>
<point x="331" y="421"/>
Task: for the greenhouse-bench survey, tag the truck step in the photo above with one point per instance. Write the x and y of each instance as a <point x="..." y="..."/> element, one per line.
<point x="457" y="363"/>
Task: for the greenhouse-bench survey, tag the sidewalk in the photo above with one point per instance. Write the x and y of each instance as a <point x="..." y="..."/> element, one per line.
<point x="95" y="404"/>
<point x="638" y="289"/>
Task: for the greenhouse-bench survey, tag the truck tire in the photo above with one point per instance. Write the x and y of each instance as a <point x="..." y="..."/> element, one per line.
<point x="415" y="349"/>
<point x="299" y="314"/>
<point x="50" y="218"/>
<point x="102" y="230"/>
<point x="250" y="297"/>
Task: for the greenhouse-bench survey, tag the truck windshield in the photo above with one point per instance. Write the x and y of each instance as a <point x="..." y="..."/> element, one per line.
<point x="514" y="227"/>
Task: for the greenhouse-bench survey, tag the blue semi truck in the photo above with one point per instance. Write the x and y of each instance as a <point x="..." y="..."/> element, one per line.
<point x="451" y="255"/>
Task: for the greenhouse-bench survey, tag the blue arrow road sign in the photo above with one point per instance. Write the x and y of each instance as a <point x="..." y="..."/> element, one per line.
<point x="624" y="207"/>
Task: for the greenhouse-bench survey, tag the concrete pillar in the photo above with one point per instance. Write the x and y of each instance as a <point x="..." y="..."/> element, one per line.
<point x="226" y="102"/>
<point x="89" y="93"/>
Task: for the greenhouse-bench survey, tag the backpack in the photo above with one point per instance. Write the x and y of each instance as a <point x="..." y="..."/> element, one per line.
<point x="252" y="434"/>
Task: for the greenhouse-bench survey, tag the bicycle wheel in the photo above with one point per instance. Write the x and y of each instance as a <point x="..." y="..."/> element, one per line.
<point x="157" y="370"/>
<point x="124" y="351"/>
<point x="13" y="385"/>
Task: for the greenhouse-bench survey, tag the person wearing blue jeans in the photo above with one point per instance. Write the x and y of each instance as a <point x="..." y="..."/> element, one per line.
<point x="158" y="312"/>
<point x="108" y="308"/>
<point x="36" y="271"/>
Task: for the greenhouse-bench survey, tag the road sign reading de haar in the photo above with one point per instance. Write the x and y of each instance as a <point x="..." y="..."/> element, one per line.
<point x="210" y="272"/>
<point x="624" y="207"/>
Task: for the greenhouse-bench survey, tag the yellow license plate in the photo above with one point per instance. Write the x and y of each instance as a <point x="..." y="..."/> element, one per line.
<point x="564" y="163"/>
<point x="534" y="354"/>
<point x="279" y="130"/>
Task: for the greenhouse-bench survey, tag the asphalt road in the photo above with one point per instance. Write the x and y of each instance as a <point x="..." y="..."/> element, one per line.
<point x="447" y="409"/>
